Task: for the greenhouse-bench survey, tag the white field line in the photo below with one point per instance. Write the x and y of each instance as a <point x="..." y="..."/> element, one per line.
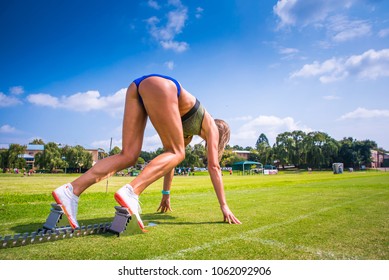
<point x="245" y="235"/>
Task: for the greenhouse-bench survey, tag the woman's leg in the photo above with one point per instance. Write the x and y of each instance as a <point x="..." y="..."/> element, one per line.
<point x="161" y="103"/>
<point x="134" y="122"/>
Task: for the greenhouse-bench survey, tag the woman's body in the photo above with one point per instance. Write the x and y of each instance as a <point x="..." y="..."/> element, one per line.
<point x="164" y="101"/>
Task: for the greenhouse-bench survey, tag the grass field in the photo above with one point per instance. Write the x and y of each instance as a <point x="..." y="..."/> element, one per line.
<point x="295" y="216"/>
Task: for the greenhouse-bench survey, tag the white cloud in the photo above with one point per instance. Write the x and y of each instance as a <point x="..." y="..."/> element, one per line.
<point x="271" y="126"/>
<point x="175" y="46"/>
<point x="199" y="12"/>
<point x="369" y="65"/>
<point x="151" y="143"/>
<point x="82" y="101"/>
<point x="288" y="53"/>
<point x="323" y="14"/>
<point x="284" y="10"/>
<point x="169" y="65"/>
<point x="363" y="113"/>
<point x="299" y="12"/>
<point x="7" y="129"/>
<point x="6" y="101"/>
<point x="43" y="99"/>
<point x="329" y="71"/>
<point x="153" y="4"/>
<point x="343" y="29"/>
<point x="288" y="50"/>
<point x="17" y="90"/>
<point x="106" y="144"/>
<point x="165" y="34"/>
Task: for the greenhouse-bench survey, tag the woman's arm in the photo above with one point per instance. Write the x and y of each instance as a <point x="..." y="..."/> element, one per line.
<point x="164" y="206"/>
<point x="211" y="134"/>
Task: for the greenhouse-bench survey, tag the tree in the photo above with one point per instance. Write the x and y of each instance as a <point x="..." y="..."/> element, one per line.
<point x="190" y="158"/>
<point x="264" y="151"/>
<point x="3" y="159"/>
<point x="14" y="156"/>
<point x="364" y="150"/>
<point x="102" y="154"/>
<point x="346" y="152"/>
<point x="146" y="156"/>
<point x="321" y="149"/>
<point x="37" y="142"/>
<point x="229" y="158"/>
<point x="194" y="156"/>
<point x="77" y="157"/>
<point x="261" y="141"/>
<point x="354" y="153"/>
<point x="298" y="151"/>
<point x="330" y="150"/>
<point x="290" y="148"/>
<point x="50" y="158"/>
<point x="140" y="161"/>
<point x="237" y="148"/>
<point x="282" y="147"/>
<point x="201" y="154"/>
<point x="116" y="150"/>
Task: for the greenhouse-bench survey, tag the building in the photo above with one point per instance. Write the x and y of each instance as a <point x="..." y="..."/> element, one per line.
<point x="95" y="155"/>
<point x="33" y="149"/>
<point x="377" y="158"/>
<point x="242" y="154"/>
<point x="386" y="160"/>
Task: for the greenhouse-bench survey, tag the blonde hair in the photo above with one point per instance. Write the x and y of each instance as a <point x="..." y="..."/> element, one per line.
<point x="224" y="136"/>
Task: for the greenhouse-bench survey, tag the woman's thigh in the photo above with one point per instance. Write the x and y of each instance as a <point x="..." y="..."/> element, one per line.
<point x="134" y="122"/>
<point x="161" y="103"/>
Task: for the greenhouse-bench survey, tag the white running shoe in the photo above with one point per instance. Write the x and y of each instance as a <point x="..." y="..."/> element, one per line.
<point x="69" y="203"/>
<point x="126" y="197"/>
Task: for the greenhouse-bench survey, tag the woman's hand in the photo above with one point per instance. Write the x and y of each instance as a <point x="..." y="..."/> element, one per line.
<point x="228" y="215"/>
<point x="164" y="206"/>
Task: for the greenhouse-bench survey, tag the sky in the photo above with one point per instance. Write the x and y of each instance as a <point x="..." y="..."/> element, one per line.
<point x="262" y="66"/>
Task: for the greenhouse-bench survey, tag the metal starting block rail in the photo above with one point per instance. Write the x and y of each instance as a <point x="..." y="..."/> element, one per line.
<point x="57" y="227"/>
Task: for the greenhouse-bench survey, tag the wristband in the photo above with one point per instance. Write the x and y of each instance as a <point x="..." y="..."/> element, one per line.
<point x="165" y="192"/>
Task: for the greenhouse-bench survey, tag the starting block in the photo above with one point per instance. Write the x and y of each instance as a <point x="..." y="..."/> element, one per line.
<point x="54" y="219"/>
<point x="124" y="223"/>
<point x="57" y="227"/>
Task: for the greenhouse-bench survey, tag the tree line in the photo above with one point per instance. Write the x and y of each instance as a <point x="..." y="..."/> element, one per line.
<point x="53" y="158"/>
<point x="303" y="150"/>
<point x="313" y="150"/>
<point x="316" y="150"/>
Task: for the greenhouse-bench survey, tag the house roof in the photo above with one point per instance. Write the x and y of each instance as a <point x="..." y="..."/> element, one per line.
<point x="34" y="147"/>
<point x="246" y="162"/>
<point x="241" y="152"/>
<point x="241" y="165"/>
<point x="27" y="157"/>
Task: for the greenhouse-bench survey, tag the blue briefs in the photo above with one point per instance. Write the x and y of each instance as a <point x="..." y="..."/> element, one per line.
<point x="192" y="120"/>
<point x="139" y="80"/>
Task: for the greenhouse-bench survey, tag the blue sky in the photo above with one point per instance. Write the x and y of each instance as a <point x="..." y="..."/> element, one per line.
<point x="263" y="66"/>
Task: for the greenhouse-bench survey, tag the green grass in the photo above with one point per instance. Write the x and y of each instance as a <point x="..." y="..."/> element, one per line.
<point x="287" y="216"/>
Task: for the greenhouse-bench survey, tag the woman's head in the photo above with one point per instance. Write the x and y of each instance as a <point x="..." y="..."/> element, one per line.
<point x="224" y="136"/>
